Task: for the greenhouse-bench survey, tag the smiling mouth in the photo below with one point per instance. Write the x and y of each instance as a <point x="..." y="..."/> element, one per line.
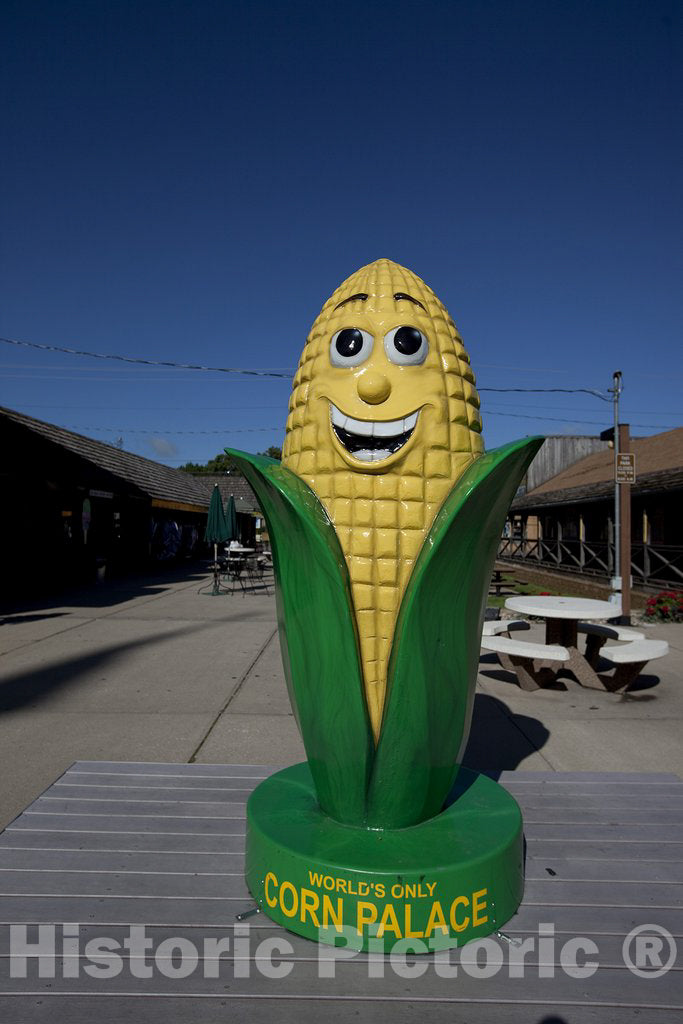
<point x="371" y="440"/>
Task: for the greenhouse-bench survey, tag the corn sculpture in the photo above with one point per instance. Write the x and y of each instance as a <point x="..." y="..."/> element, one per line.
<point x="384" y="418"/>
<point x="384" y="518"/>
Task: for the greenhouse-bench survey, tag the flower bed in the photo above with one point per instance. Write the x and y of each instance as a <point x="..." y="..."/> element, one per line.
<point x="667" y="606"/>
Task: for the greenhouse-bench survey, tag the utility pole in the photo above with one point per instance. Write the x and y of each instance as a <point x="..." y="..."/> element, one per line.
<point x="624" y="489"/>
<point x="616" y="391"/>
<point x="624" y="475"/>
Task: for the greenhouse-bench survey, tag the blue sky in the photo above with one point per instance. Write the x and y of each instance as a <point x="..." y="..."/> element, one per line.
<point x="190" y="181"/>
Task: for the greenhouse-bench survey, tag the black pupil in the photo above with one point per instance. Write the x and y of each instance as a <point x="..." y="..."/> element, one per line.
<point x="349" y="342"/>
<point x="407" y="340"/>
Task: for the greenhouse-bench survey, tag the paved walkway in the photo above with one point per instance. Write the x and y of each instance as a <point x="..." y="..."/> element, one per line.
<point x="150" y="670"/>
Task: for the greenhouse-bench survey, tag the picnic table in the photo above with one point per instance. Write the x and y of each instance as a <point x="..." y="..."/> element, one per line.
<point x="243" y="567"/>
<point x="562" y="614"/>
<point x="497" y="582"/>
<point x="565" y="617"/>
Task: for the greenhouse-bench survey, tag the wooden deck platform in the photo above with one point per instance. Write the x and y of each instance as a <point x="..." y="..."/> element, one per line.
<point x="111" y="845"/>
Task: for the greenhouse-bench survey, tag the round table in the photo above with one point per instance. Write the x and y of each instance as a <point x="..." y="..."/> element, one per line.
<point x="563" y="607"/>
<point x="562" y="616"/>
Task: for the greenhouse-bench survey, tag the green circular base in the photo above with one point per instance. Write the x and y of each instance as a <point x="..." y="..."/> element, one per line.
<point x="451" y="879"/>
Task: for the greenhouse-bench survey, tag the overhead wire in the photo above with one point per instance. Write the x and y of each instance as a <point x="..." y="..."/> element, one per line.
<point x="568" y="391"/>
<point x="167" y="363"/>
<point x="228" y="408"/>
<point x="286" y="375"/>
<point x="556" y="419"/>
<point x="144" y="362"/>
<point x="140" y="430"/>
<point x="248" y="430"/>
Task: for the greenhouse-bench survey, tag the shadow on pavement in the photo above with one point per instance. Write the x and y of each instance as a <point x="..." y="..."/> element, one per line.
<point x="501" y="675"/>
<point x="16" y="620"/>
<point x="500" y="739"/>
<point x="29" y="688"/>
<point x="108" y="592"/>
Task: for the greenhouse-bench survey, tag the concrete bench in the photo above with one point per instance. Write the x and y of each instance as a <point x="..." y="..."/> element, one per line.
<point x="598" y="633"/>
<point x="533" y="664"/>
<point x="630" y="659"/>
<point x="496" y="626"/>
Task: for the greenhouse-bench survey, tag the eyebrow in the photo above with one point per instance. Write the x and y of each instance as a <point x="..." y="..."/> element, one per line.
<point x="360" y="297"/>
<point x="403" y="295"/>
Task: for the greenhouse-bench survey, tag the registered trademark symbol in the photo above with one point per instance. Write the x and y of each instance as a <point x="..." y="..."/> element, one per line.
<point x="649" y="951"/>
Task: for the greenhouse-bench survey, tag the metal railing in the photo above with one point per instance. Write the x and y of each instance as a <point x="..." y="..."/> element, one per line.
<point x="651" y="564"/>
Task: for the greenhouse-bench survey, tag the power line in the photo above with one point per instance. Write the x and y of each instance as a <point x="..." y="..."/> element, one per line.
<point x="288" y="374"/>
<point x="267" y="375"/>
<point x="144" y="362"/>
<point x="223" y="408"/>
<point x="176" y="379"/>
<point x="550" y="369"/>
<point x="567" y="391"/>
<point x="108" y="369"/>
<point x="264" y="374"/>
<point x="158" y="408"/>
<point x="555" y="407"/>
<point x="555" y="419"/>
<point x="252" y="430"/>
<point x="243" y="372"/>
<point x="135" y="430"/>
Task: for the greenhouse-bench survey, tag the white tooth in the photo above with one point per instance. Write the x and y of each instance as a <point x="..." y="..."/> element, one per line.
<point x="365" y="455"/>
<point x="410" y="421"/>
<point x="381" y="454"/>
<point x="388" y="428"/>
<point x="361" y="427"/>
<point x="338" y="417"/>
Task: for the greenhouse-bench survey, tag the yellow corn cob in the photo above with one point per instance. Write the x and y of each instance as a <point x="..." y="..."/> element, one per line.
<point x="382" y="511"/>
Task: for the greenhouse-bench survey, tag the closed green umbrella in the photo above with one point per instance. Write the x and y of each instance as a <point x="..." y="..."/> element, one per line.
<point x="216" y="531"/>
<point x="231" y="519"/>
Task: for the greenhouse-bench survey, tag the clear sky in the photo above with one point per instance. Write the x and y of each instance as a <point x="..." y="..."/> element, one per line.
<point x="189" y="181"/>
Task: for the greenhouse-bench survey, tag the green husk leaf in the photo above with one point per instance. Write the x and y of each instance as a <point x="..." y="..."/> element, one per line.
<point x="435" y="653"/>
<point x="318" y="636"/>
<point x="433" y="665"/>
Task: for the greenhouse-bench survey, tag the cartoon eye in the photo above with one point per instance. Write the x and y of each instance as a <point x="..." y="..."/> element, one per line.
<point x="350" y="346"/>
<point x="406" y="346"/>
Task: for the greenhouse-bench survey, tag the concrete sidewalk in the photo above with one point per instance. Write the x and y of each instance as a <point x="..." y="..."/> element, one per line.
<point x="151" y="670"/>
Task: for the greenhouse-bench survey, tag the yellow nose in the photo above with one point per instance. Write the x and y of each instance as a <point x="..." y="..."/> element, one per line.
<point x="374" y="388"/>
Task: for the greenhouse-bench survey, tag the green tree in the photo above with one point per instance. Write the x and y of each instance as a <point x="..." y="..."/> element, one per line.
<point x="222" y="463"/>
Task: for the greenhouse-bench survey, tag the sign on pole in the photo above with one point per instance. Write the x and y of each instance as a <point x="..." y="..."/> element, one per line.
<point x="626" y="468"/>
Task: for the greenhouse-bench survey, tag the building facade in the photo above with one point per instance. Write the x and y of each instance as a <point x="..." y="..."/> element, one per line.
<point x="567" y="521"/>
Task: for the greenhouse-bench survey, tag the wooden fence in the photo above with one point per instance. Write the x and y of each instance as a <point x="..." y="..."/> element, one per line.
<point x="651" y="564"/>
